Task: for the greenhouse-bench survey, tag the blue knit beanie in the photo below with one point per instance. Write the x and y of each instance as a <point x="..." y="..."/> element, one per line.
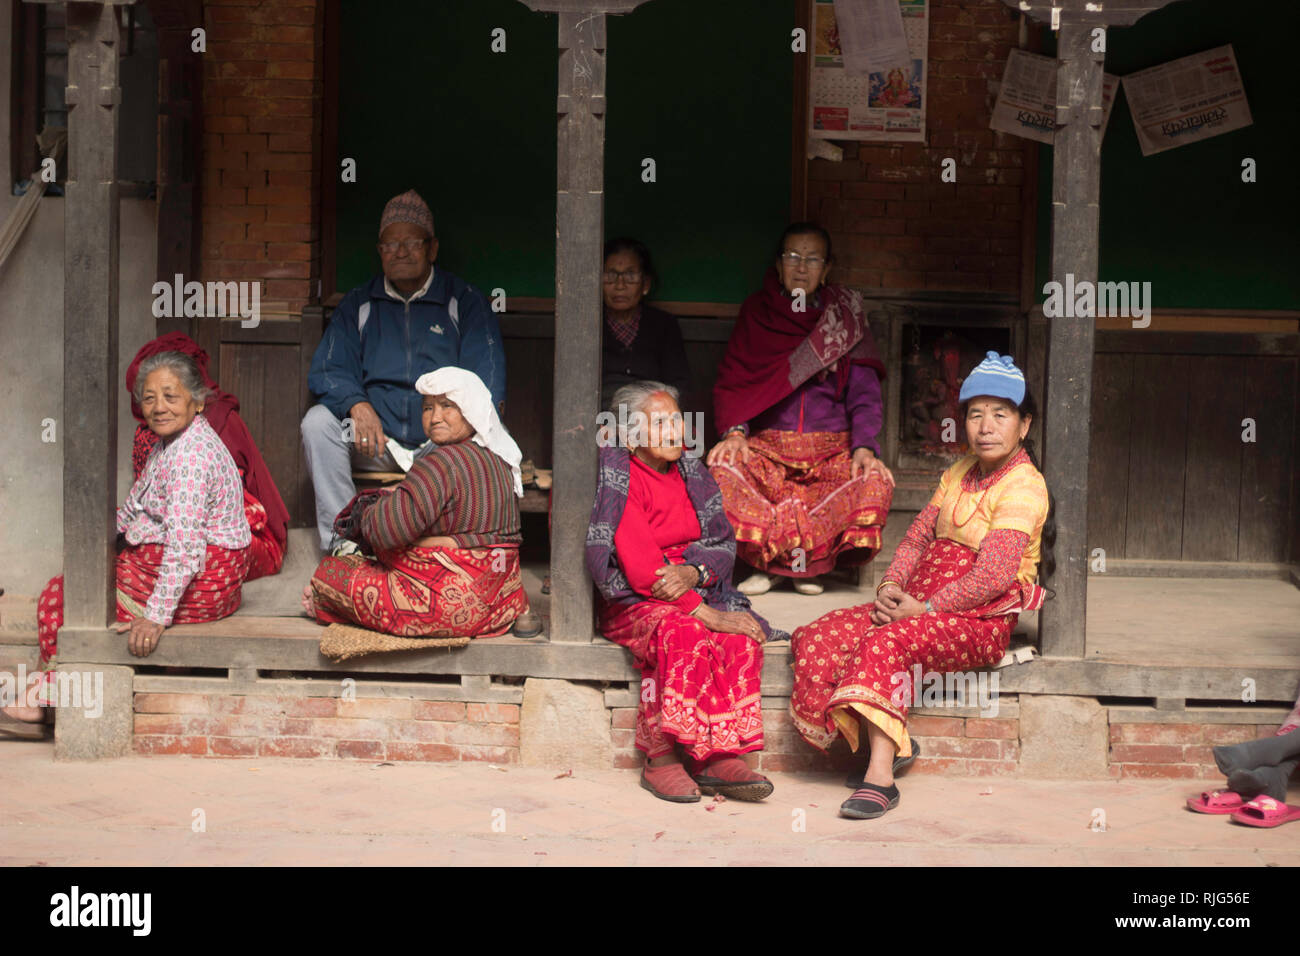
<point x="996" y="376"/>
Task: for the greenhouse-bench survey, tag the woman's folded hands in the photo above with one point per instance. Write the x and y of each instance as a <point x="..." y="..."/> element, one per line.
<point x="894" y="604"/>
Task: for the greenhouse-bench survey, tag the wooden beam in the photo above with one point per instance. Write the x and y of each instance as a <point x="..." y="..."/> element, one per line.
<point x="1087" y="13"/>
<point x="580" y="226"/>
<point x="328" y="159"/>
<point x="180" y="133"/>
<point x="1076" y="187"/>
<point x="1198" y="343"/>
<point x="799" y="119"/>
<point x="579" y="238"/>
<point x="291" y="644"/>
<point x="90" y="299"/>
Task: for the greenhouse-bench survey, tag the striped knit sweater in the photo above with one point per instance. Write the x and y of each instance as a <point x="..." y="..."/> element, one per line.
<point x="461" y="491"/>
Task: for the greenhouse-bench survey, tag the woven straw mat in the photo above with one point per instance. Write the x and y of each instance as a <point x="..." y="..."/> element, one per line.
<point x="341" y="641"/>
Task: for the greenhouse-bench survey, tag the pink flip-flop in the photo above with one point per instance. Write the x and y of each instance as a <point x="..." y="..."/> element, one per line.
<point x="1266" y="812"/>
<point x="1216" y="801"/>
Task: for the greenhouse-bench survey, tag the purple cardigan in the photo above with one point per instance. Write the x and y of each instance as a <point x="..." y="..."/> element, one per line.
<point x="716" y="549"/>
<point x="860" y="412"/>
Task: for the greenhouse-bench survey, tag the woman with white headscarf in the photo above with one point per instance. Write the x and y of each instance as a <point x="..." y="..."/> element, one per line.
<point x="445" y="539"/>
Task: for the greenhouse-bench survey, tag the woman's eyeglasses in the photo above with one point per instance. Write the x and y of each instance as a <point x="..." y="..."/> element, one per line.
<point x="793" y="259"/>
<point x="632" y="277"/>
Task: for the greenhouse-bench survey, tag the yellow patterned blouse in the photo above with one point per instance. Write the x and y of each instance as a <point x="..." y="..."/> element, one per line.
<point x="1014" y="497"/>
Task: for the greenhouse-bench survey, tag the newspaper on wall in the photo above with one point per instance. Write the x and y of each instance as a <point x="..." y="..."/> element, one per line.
<point x="872" y="35"/>
<point x="1026" y="103"/>
<point x="887" y="104"/>
<point x="1187" y="100"/>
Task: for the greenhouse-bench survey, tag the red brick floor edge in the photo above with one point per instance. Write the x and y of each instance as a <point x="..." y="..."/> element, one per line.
<point x="399" y="728"/>
<point x="978" y="747"/>
<point x="367" y="728"/>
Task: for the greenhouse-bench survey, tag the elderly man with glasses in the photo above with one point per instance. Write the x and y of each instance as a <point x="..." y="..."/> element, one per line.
<point x="383" y="336"/>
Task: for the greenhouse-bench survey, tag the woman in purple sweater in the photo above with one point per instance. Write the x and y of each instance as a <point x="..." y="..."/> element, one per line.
<point x="798" y="405"/>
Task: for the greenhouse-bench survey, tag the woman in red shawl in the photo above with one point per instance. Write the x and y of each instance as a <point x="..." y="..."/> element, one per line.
<point x="797" y="401"/>
<point x="268" y="519"/>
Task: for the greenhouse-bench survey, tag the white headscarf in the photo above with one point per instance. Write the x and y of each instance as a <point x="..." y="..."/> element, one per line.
<point x="475" y="402"/>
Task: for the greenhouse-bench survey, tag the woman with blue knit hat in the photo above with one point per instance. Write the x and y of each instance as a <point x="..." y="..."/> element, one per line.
<point x="949" y="601"/>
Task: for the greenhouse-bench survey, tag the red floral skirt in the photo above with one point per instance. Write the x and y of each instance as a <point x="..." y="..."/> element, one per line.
<point x="266" y="554"/>
<point x="796" y="510"/>
<point x="424" y="592"/>
<point x="845" y="666"/>
<point x="699" y="688"/>
<point x="213" y="593"/>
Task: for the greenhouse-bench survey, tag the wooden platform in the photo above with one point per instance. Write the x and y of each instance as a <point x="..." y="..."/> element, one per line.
<point x="1161" y="639"/>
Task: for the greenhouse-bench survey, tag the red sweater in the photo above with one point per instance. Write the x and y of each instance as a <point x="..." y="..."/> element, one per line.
<point x="657" y="525"/>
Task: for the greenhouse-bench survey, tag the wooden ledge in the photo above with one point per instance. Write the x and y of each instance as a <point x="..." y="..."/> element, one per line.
<point x="250" y="644"/>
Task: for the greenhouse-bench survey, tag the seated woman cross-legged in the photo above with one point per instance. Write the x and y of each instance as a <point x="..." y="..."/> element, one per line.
<point x="797" y="402"/>
<point x="445" y="539"/>
<point x="965" y="570"/>
<point x="661" y="552"/>
<point x="183" y="534"/>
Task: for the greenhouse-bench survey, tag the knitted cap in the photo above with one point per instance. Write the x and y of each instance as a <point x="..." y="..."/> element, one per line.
<point x="408" y="207"/>
<point x="997" y="376"/>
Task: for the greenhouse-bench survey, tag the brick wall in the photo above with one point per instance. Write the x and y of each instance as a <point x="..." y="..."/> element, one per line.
<point x="955" y="742"/>
<point x="962" y="746"/>
<point x="957" y="746"/>
<point x="261" y="106"/>
<point x="389" y="728"/>
<point x="1166" y="750"/>
<point x="894" y="223"/>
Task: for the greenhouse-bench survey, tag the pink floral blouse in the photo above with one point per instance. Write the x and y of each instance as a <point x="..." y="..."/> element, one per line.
<point x="187" y="497"/>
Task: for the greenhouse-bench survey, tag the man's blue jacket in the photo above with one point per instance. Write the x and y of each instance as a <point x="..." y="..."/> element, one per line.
<point x="376" y="346"/>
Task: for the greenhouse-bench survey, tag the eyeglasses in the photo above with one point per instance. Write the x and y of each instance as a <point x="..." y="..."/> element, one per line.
<point x="632" y="277"/>
<point x="406" y="245"/>
<point x="793" y="259"/>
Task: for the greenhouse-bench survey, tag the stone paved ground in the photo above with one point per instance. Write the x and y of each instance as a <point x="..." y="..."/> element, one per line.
<point x="140" y="810"/>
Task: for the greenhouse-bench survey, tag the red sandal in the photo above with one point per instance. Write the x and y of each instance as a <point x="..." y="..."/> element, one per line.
<point x="1216" y="801"/>
<point x="1266" y="812"/>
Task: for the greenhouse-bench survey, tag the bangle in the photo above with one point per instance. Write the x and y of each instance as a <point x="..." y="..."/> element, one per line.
<point x="703" y="573"/>
<point x="881" y="585"/>
<point x="929" y="608"/>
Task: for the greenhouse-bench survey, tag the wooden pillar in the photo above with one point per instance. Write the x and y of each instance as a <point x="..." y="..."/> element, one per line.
<point x="1076" y="200"/>
<point x="90" y="271"/>
<point x="579" y="239"/>
<point x="180" y="131"/>
<point x="1076" y="190"/>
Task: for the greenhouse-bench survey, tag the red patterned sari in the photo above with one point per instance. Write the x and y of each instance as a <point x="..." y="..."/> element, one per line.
<point x="846" y="667"/>
<point x="796" y="493"/>
<point x="212" y="594"/>
<point x="699" y="688"/>
<point x="424" y="592"/>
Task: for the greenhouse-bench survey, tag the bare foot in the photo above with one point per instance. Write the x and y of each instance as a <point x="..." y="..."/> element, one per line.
<point x="309" y="601"/>
<point x="28" y="715"/>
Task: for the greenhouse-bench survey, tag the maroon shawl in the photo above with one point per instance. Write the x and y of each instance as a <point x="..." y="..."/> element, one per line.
<point x="222" y="412"/>
<point x="773" y="349"/>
